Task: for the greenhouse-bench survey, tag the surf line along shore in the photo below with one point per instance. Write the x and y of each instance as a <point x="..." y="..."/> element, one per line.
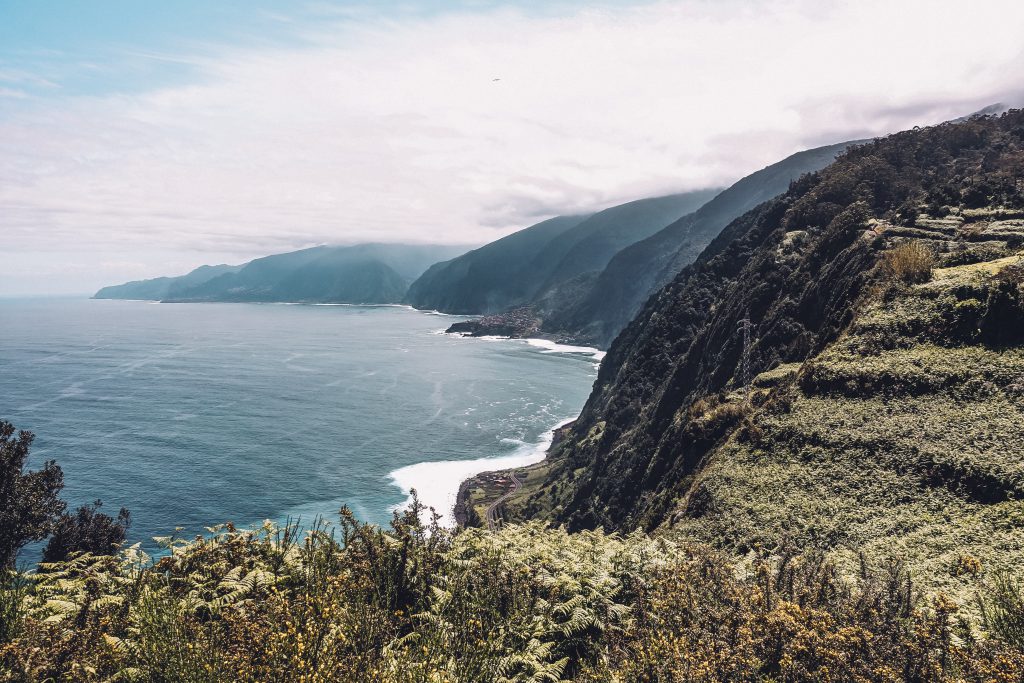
<point x="503" y="484"/>
<point x="443" y="484"/>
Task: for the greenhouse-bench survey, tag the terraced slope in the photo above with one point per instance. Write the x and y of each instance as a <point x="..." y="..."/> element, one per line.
<point x="904" y="438"/>
<point x="808" y="379"/>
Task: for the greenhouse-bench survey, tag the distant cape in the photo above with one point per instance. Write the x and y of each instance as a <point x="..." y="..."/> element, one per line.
<point x="360" y="274"/>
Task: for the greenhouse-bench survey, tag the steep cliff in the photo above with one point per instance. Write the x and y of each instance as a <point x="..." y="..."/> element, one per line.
<point x="618" y="292"/>
<point x="842" y="364"/>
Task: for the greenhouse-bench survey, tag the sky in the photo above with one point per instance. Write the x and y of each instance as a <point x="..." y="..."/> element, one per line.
<point x="140" y="139"/>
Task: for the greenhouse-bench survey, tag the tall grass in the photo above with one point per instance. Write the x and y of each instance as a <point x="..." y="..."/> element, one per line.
<point x="1002" y="607"/>
<point x="909" y="262"/>
<point x="13" y="589"/>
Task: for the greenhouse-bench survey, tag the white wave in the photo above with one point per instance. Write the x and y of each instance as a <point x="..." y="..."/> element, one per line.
<point x="74" y="389"/>
<point x="545" y="345"/>
<point x="351" y="305"/>
<point x="553" y="347"/>
<point x="445" y="315"/>
<point x="437" y="483"/>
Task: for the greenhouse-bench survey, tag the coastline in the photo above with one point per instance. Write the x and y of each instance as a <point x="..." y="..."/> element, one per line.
<point x="266" y="303"/>
<point x="439" y="482"/>
<point x="545" y="345"/>
<point x="442" y="484"/>
<point x="465" y="515"/>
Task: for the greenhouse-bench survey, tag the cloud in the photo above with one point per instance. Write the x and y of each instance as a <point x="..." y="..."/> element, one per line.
<point x="396" y="129"/>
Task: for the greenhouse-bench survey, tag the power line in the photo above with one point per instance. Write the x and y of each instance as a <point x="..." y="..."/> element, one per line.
<point x="745" y="357"/>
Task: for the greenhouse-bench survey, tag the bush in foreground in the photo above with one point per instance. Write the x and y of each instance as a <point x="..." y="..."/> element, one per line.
<point x="417" y="603"/>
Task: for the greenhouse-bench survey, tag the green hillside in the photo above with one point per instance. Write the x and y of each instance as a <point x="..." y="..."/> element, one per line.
<point x="620" y="289"/>
<point x="364" y="273"/>
<point x="870" y="402"/>
<point x="537" y="263"/>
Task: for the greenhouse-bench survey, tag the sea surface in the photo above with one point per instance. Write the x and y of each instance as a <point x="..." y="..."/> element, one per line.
<point x="195" y="414"/>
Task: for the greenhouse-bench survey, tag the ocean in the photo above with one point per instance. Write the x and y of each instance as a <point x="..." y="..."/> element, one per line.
<point x="191" y="415"/>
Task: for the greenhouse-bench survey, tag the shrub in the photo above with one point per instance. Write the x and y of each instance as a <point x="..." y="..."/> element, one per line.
<point x="909" y="262"/>
<point x="1003" y="321"/>
<point x="415" y="603"/>
<point x="1002" y="607"/>
<point x="12" y="595"/>
<point x="88" y="530"/>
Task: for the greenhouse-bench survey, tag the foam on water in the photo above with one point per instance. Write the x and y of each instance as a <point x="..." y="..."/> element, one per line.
<point x="553" y="347"/>
<point x="545" y="345"/>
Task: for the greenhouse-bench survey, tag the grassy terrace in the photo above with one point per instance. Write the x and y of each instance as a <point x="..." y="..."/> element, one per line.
<point x="902" y="439"/>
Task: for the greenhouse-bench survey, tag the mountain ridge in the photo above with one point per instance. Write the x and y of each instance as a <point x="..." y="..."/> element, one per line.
<point x="510" y="273"/>
<point x="639" y="270"/>
<point x="363" y="273"/>
<point x="588" y="302"/>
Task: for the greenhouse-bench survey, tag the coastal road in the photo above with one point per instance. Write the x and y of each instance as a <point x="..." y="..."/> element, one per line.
<point x="492" y="509"/>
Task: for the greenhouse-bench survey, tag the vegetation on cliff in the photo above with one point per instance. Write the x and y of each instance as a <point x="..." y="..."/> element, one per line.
<point x="619" y="291"/>
<point x="583" y="279"/>
<point x="841" y="367"/>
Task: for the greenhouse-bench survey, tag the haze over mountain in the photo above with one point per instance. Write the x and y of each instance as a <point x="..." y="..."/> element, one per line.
<point x="641" y="269"/>
<point x="492" y="277"/>
<point x="584" y="280"/>
<point x="512" y="271"/>
<point x="364" y="273"/>
<point x="159" y="288"/>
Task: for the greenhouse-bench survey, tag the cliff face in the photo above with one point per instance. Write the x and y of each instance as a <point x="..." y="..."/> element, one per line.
<point x="616" y="294"/>
<point x="807" y="377"/>
<point x="491" y="278"/>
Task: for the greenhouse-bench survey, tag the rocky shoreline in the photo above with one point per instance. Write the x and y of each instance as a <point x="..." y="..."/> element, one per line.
<point x="463" y="509"/>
